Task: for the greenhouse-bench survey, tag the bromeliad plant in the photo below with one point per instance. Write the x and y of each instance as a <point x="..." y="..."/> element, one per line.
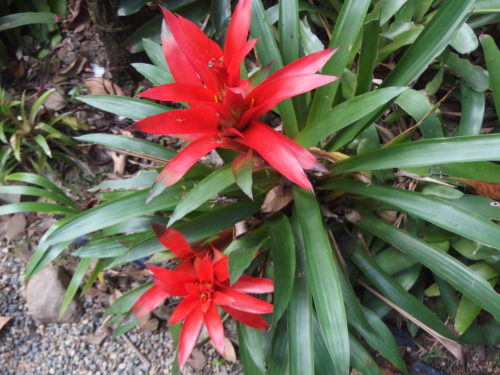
<point x="383" y="223"/>
<point x="29" y="138"/>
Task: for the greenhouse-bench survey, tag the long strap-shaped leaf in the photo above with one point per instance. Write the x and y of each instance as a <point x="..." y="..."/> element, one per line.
<point x="283" y="253"/>
<point x="443" y="265"/>
<point x="113" y="212"/>
<point x="344" y="36"/>
<point x="300" y="317"/>
<point x="440" y="212"/>
<point x="430" y="43"/>
<point x="345" y="114"/>
<point x="396" y="293"/>
<point x="422" y="153"/>
<point x="268" y="51"/>
<point x="323" y="279"/>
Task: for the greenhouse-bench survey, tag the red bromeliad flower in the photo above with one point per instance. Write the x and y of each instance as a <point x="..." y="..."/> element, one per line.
<point x="224" y="109"/>
<point x="177" y="244"/>
<point x="204" y="286"/>
<point x="202" y="278"/>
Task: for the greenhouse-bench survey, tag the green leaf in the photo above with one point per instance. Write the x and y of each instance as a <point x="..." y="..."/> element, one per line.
<point x="134" y="109"/>
<point x="155" y="53"/>
<point x="283" y="254"/>
<point x="361" y="360"/>
<point x="135" y="145"/>
<point x="442" y="264"/>
<point x="105" y="215"/>
<point x="142" y="179"/>
<point x="129" y="7"/>
<point x="153" y="73"/>
<point x="465" y="41"/>
<point x="77" y="278"/>
<point x="323" y="279"/>
<point x="37" y="105"/>
<point x="252" y="350"/>
<point x="54" y="209"/>
<point x="344" y="36"/>
<point x="124" y="303"/>
<point x="105" y="248"/>
<point x="42" y="142"/>
<point x="438" y="211"/>
<point x="492" y="56"/>
<point x="345" y="114"/>
<point x="475" y="76"/>
<point x="440" y="30"/>
<point x="472" y="250"/>
<point x="417" y="105"/>
<point x="473" y="104"/>
<point x="288" y="28"/>
<point x="268" y="51"/>
<point x="368" y="56"/>
<point x="467" y="310"/>
<point x="242" y="167"/>
<point x="29" y="190"/>
<point x="310" y="42"/>
<point x="300" y="318"/>
<point x="207" y="189"/>
<point x="421" y="153"/>
<point x="395" y="292"/>
<point x="278" y="358"/>
<point x="28" y="18"/>
<point x="242" y="251"/>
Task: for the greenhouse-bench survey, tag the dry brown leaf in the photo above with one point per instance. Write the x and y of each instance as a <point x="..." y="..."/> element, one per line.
<point x="147" y="324"/>
<point x="99" y="335"/>
<point x="277" y="198"/>
<point x="102" y="86"/>
<point x="197" y="360"/>
<point x="4" y="320"/>
<point x="230" y="354"/>
<point x="55" y="102"/>
<point x="484" y="188"/>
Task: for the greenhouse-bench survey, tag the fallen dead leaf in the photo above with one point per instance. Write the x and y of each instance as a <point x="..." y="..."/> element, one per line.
<point x="15" y="227"/>
<point x="100" y="334"/>
<point x="230" y="354"/>
<point x="484" y="188"/>
<point x="277" y="198"/>
<point x="4" y="320"/>
<point x="197" y="360"/>
<point x="102" y="86"/>
<point x="147" y="324"/>
<point x="55" y="102"/>
<point x="71" y="70"/>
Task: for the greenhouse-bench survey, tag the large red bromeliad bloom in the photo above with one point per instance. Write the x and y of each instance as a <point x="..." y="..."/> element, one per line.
<point x="202" y="278"/>
<point x="224" y="109"/>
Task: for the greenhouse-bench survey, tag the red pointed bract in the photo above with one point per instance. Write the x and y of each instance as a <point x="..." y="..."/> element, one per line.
<point x="263" y="140"/>
<point x="224" y="107"/>
<point x="149" y="301"/>
<point x="181" y="121"/>
<point x="189" y="334"/>
<point x="185" y="159"/>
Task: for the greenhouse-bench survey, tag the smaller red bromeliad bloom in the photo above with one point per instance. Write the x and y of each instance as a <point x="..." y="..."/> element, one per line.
<point x="177" y="244"/>
<point x="202" y="279"/>
<point x="224" y="110"/>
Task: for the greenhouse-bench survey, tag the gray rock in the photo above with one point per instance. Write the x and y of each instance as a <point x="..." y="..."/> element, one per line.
<point x="44" y="295"/>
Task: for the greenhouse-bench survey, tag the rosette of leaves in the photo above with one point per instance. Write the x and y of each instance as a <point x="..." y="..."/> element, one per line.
<point x="29" y="138"/>
<point x="391" y="226"/>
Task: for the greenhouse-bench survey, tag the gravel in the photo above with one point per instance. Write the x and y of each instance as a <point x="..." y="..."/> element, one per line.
<point x="28" y="347"/>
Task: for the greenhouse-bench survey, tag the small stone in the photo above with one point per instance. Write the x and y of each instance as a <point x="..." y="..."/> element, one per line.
<point x="44" y="295"/>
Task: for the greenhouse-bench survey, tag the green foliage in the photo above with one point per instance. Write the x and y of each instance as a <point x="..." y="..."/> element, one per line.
<point x="28" y="139"/>
<point x="391" y="218"/>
